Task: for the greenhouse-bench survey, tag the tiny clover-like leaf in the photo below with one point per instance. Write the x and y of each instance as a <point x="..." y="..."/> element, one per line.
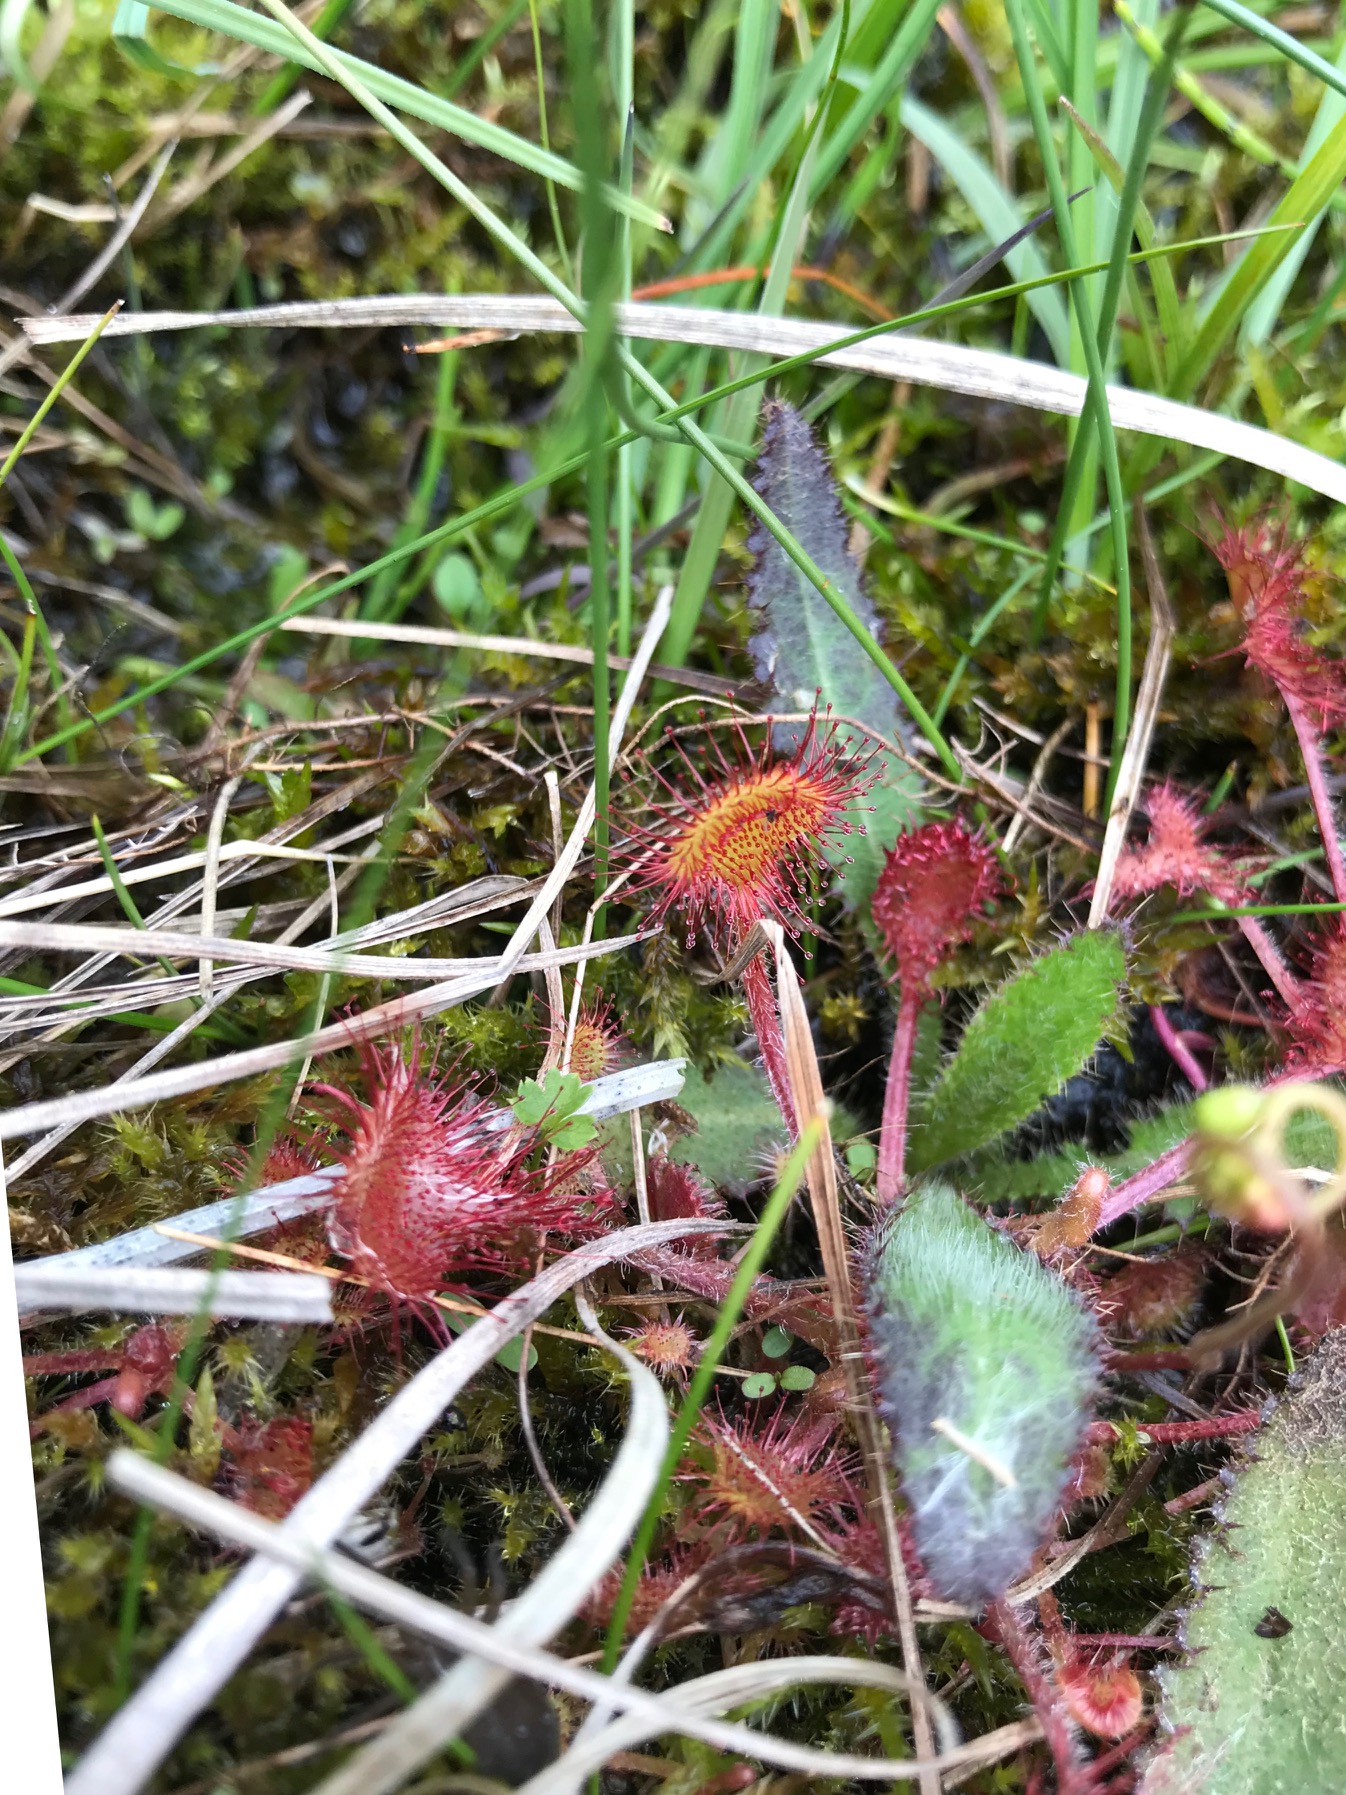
<point x="551" y="1106"/>
<point x="798" y="1377"/>
<point x="759" y="1384"/>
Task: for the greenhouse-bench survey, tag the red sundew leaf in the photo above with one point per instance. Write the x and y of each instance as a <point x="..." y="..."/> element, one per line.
<point x="272" y="1465"/>
<point x="724" y="851"/>
<point x="667" y="1347"/>
<point x="931" y="892"/>
<point x="1105" y="1699"/>
<point x="679" y="1192"/>
<point x="786" y="1474"/>
<point x="428" y="1187"/>
<point x="1317" y="1029"/>
<point x="1177" y="855"/>
<point x="658" y="1582"/>
<point x="1267" y="583"/>
<point x="1150" y="1296"/>
<point x="599" y="1045"/>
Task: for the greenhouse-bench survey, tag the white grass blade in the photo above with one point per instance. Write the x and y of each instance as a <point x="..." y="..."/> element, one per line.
<point x="384" y="1018"/>
<point x="142" y="1733"/>
<point x="137" y="1477"/>
<point x="979" y="373"/>
<point x="552" y="1599"/>
<point x="254" y="1212"/>
<point x="126" y="1290"/>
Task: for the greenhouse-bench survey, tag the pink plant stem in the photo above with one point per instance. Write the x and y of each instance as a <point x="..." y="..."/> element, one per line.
<point x="1179" y="1433"/>
<point x="1286" y="985"/>
<point x="1022" y="1649"/>
<point x="1126" y="1642"/>
<point x="764" y="1013"/>
<point x="893" y="1133"/>
<point x="1177" y="1049"/>
<point x="1147" y="1183"/>
<point x="1311" y="747"/>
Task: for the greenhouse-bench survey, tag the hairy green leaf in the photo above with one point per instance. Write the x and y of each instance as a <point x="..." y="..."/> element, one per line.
<point x="986" y="1368"/>
<point x="801" y="648"/>
<point x="1259" y="1708"/>
<point x="1029" y="1036"/>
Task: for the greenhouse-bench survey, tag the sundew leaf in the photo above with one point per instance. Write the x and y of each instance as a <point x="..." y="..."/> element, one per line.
<point x="803" y="651"/>
<point x="987" y="1364"/>
<point x="1030" y="1035"/>
<point x="1259" y="1706"/>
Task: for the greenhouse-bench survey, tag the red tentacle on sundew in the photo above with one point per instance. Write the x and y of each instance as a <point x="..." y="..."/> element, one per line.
<point x="932" y="890"/>
<point x="428" y="1187"/>
<point x="743" y="844"/>
<point x="1269" y="586"/>
<point x="726" y="851"/>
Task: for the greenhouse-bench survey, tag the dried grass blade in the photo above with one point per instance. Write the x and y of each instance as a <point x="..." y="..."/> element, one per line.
<point x="137" y="1477"/>
<point x="979" y="373"/>
<point x="142" y="1733"/>
<point x="552" y="1598"/>
<point x="398" y="1013"/>
<point x="1137" y="751"/>
<point x="123" y="1290"/>
<point x="807" y="1087"/>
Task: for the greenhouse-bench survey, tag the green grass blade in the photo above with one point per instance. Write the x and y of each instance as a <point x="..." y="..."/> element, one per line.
<point x="1289" y="47"/>
<point x="237" y="22"/>
<point x="997" y="212"/>
<point x="1097" y="381"/>
<point x="1262" y="314"/>
<point x="1301" y="204"/>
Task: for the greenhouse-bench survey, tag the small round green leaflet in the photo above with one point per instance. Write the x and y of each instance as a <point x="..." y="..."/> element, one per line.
<point x="987" y="1364"/>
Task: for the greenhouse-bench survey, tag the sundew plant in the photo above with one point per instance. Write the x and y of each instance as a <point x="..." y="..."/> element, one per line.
<point x="672" y="962"/>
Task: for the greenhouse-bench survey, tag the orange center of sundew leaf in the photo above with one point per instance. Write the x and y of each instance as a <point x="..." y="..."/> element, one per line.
<point x="742" y="838"/>
<point x="590" y="1051"/>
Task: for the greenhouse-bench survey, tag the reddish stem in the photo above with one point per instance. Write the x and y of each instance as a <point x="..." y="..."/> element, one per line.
<point x="1195" y="1497"/>
<point x="1177" y="1049"/>
<point x="1156" y="1358"/>
<point x="1146" y="1183"/>
<point x="1021" y="1648"/>
<point x="1178" y="1433"/>
<point x="1287" y="986"/>
<point x="1126" y="1642"/>
<point x="1311" y="747"/>
<point x="764" y="1013"/>
<point x="893" y="1133"/>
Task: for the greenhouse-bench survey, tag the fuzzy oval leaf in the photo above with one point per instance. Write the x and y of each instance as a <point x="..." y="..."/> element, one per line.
<point x="801" y="648"/>
<point x="1024" y="1042"/>
<point x="1259" y="1708"/>
<point x="987" y="1364"/>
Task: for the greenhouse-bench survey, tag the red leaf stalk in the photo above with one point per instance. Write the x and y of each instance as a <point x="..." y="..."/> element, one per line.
<point x="1311" y="747"/>
<point x="726" y="851"/>
<point x="897" y="1097"/>
<point x="1182" y="1433"/>
<point x="1286" y="985"/>
<point x="764" y="1013"/>
<point x="1024" y="1653"/>
<point x="1177" y="1049"/>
